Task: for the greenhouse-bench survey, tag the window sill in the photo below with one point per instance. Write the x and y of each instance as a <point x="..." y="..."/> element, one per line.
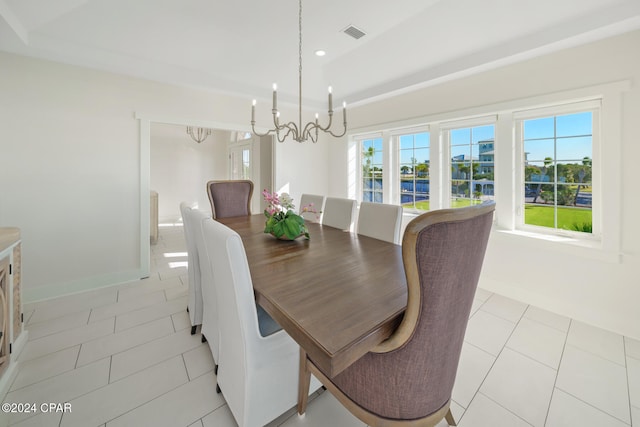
<point x="583" y="248"/>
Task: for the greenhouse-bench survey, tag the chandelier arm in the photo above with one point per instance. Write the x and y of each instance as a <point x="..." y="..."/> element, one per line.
<point x="276" y="123"/>
<point x="309" y="127"/>
<point x="292" y="128"/>
<point x="308" y="134"/>
<point x="253" y="129"/>
<point x="289" y="130"/>
<point x="328" y="126"/>
<point x="344" y="132"/>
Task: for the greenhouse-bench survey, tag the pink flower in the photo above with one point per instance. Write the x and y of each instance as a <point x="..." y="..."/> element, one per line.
<point x="309" y="208"/>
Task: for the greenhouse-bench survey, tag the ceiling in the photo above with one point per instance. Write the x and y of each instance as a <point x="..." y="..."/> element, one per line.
<point x="241" y="47"/>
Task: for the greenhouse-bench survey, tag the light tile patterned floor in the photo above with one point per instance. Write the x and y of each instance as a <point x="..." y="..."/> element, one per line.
<point x="123" y="356"/>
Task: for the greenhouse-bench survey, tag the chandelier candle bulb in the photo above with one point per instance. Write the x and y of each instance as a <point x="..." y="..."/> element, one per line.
<point x="330" y="100"/>
<point x="275" y="97"/>
<point x="344" y="113"/>
<point x="253" y="111"/>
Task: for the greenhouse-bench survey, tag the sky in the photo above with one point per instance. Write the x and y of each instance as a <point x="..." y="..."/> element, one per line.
<point x="572" y="133"/>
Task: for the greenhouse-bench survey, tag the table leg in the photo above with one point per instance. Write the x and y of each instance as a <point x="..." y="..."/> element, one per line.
<point x="303" y="383"/>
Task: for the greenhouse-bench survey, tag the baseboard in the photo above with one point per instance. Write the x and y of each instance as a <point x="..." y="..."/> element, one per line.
<point x="42" y="293"/>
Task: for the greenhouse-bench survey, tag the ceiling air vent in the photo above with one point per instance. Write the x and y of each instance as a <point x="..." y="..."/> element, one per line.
<point x="354" y="32"/>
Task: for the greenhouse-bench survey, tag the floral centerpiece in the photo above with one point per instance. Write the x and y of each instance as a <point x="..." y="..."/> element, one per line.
<point x="282" y="221"/>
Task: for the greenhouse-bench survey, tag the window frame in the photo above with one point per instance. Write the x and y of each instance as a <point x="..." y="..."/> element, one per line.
<point x="445" y="135"/>
<point x="395" y="181"/>
<point x="607" y="205"/>
<point x="359" y="140"/>
<point x="519" y="117"/>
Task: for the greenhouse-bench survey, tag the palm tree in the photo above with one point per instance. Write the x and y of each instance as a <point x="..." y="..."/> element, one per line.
<point x="586" y="162"/>
<point x="368" y="156"/>
<point x="543" y="172"/>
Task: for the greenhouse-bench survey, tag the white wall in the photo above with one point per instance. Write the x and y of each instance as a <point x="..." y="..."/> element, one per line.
<point x="303" y="167"/>
<point x="70" y="166"/>
<point x="180" y="167"/>
<point x="579" y="283"/>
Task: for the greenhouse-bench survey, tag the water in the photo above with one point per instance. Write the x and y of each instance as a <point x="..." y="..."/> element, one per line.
<point x="373" y="190"/>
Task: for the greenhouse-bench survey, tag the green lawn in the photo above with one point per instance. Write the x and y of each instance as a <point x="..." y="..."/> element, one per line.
<point x="457" y="203"/>
<point x="533" y="214"/>
<point x="567" y="216"/>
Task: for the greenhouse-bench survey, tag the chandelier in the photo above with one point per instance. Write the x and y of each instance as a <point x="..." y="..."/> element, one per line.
<point x="297" y="132"/>
<point x="199" y="135"/>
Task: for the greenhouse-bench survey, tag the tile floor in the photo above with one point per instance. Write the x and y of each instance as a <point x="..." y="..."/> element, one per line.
<point x="123" y="356"/>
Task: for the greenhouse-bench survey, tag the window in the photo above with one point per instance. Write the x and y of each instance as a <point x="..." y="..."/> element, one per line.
<point x="557" y="170"/>
<point x="371" y="160"/>
<point x="541" y="160"/>
<point x="472" y="165"/>
<point x="414" y="156"/>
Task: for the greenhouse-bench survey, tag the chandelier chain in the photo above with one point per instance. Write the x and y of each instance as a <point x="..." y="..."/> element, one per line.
<point x="300" y="62"/>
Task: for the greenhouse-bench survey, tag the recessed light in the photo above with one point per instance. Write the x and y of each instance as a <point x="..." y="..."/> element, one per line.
<point x="320" y="52"/>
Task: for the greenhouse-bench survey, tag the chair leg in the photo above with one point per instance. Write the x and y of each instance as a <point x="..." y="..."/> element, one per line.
<point x="304" y="381"/>
<point x="215" y="370"/>
<point x="449" y="418"/>
<point x="218" y="389"/>
<point x="203" y="339"/>
<point x="193" y="329"/>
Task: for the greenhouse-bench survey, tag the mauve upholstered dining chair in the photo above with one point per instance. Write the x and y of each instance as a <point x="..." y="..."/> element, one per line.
<point x="258" y="373"/>
<point x="230" y="198"/>
<point x="317" y="203"/>
<point x="338" y="213"/>
<point x="194" y="303"/>
<point x="408" y="379"/>
<point x="380" y="221"/>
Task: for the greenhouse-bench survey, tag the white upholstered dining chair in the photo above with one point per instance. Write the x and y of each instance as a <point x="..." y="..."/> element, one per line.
<point x="339" y="213"/>
<point x="317" y="202"/>
<point x="258" y="373"/>
<point x="380" y="221"/>
<point x="210" y="328"/>
<point x="194" y="304"/>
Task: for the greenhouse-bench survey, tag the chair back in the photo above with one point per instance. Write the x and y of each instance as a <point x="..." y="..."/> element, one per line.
<point x="209" y="298"/>
<point x="380" y="221"/>
<point x="316" y="202"/>
<point x="338" y="213"/>
<point x="240" y="342"/>
<point x="193" y="264"/>
<point x="230" y="198"/>
<point x="413" y="376"/>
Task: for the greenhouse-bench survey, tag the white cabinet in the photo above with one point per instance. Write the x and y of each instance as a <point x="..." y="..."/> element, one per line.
<point x="13" y="335"/>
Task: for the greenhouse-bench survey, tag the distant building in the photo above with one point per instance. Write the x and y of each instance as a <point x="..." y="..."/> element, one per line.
<point x="484" y="165"/>
<point x="487" y="156"/>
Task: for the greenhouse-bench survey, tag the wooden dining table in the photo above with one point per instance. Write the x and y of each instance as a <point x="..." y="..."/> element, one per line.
<point x="338" y="294"/>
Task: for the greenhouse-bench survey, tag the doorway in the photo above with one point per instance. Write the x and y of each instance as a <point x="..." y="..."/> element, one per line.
<point x="240" y="160"/>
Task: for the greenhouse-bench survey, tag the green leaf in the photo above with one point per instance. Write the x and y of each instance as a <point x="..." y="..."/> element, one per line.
<point x="291" y="228"/>
<point x="298" y="219"/>
<point x="278" y="229"/>
<point x="268" y="226"/>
